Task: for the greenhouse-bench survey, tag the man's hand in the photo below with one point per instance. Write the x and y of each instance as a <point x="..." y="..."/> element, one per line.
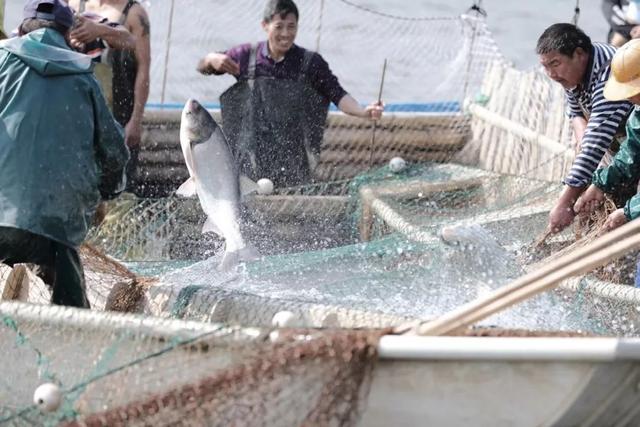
<point x="133" y="133"/>
<point x="562" y="214"/>
<point x="222" y="63"/>
<point x="560" y="217"/>
<point x="85" y="30"/>
<point x="589" y="201"/>
<point x="614" y="220"/>
<point x="374" y="111"/>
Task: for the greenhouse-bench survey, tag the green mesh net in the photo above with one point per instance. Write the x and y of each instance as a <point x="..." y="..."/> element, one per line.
<point x="344" y="259"/>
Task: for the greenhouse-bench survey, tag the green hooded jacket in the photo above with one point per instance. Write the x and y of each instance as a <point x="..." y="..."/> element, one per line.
<point x="625" y="166"/>
<point x="60" y="148"/>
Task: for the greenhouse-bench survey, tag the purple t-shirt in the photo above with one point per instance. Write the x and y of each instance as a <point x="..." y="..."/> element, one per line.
<point x="319" y="74"/>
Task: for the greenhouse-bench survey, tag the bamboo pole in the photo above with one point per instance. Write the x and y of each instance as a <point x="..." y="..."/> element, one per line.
<point x="14" y="282"/>
<point x="375" y="123"/>
<point x="371" y="204"/>
<point x="519" y="130"/>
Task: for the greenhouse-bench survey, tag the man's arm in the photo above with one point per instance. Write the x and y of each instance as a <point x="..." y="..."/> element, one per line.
<point x="139" y="26"/>
<point x="112" y="154"/>
<point x="218" y="63"/>
<point x="87" y="30"/>
<point x="604" y="121"/>
<point x="350" y="106"/>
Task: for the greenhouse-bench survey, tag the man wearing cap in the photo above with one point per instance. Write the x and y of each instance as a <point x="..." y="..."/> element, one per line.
<point x="624" y="83"/>
<point x="60" y="149"/>
<point x="582" y="68"/>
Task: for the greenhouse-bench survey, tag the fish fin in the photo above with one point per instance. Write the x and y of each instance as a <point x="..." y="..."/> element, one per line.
<point x="209" y="226"/>
<point x="247" y="185"/>
<point x="188" y="188"/>
<point x="231" y="259"/>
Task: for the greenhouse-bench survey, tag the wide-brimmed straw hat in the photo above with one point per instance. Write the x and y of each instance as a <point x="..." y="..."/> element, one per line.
<point x="624" y="81"/>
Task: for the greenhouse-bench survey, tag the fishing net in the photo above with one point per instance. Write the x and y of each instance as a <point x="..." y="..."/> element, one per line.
<point x="368" y="283"/>
<point x="459" y="45"/>
<point x="114" y="369"/>
<point x="364" y="247"/>
<point x="124" y="370"/>
<point x="424" y="120"/>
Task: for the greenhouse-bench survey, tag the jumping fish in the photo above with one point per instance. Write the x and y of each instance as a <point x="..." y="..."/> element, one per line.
<point x="214" y="178"/>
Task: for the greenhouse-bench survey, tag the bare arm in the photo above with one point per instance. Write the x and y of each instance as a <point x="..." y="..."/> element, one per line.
<point x="138" y="23"/>
<point x="87" y="30"/>
<point x="350" y="106"/>
<point x="118" y="37"/>
<point x="579" y="125"/>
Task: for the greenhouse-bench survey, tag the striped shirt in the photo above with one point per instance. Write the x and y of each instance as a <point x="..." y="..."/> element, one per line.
<point x="604" y="117"/>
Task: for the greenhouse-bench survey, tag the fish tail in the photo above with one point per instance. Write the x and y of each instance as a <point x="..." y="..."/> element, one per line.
<point x="234" y="257"/>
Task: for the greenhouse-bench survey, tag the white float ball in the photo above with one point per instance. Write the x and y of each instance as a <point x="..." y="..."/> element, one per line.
<point x="397" y="164"/>
<point x="48" y="397"/>
<point x="265" y="186"/>
<point x="284" y="319"/>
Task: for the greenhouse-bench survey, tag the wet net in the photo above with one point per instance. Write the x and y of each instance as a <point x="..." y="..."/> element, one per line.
<point x="366" y="247"/>
<point x="124" y="370"/>
<point x="460" y="45"/>
<point x="424" y="121"/>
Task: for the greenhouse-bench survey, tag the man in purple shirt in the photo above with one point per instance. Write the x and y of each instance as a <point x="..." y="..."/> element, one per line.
<point x="274" y="115"/>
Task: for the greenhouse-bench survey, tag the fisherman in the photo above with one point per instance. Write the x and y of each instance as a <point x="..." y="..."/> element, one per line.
<point x="582" y="68"/>
<point x="274" y="116"/>
<point x="623" y="17"/>
<point x="624" y="83"/>
<point x="129" y="75"/>
<point x="60" y="149"/>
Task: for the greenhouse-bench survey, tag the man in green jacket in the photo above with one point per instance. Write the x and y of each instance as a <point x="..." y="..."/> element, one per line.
<point x="60" y="150"/>
<point x="623" y="83"/>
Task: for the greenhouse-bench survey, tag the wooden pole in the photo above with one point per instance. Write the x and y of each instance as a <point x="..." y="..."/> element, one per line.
<point x="166" y="54"/>
<point x="14" y="282"/>
<point x="375" y="123"/>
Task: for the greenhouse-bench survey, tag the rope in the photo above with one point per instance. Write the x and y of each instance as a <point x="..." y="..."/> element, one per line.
<point x="319" y="29"/>
<point x="166" y="53"/>
<point x="183" y="299"/>
<point x="397" y="17"/>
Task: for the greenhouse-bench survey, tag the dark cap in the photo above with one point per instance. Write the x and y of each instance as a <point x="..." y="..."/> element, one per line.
<point x="49" y="10"/>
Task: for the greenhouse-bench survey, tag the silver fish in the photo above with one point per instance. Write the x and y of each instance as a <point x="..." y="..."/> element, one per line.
<point x="214" y="179"/>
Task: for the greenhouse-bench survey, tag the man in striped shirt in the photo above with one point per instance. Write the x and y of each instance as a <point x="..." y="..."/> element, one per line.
<point x="582" y="68"/>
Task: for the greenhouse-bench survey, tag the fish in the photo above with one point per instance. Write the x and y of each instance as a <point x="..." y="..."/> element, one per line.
<point x="480" y="252"/>
<point x="214" y="179"/>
